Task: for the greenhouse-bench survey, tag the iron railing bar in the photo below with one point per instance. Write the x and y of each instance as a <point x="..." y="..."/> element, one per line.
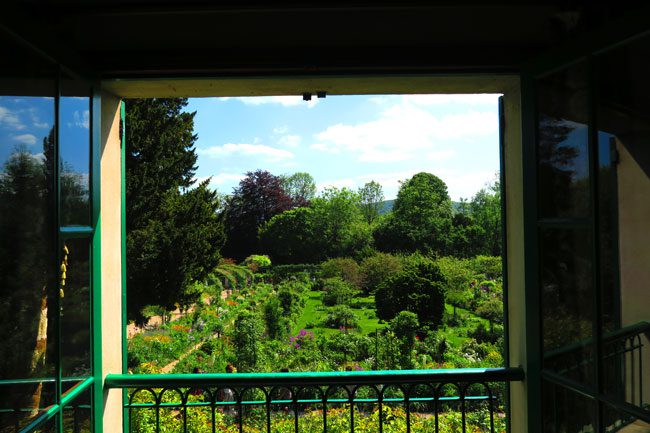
<point x="384" y="377"/>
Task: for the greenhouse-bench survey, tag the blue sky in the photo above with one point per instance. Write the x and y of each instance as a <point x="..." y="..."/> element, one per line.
<point x="26" y="121"/>
<point x="346" y="141"/>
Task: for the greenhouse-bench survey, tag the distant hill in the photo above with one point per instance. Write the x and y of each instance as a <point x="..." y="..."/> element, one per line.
<point x="387" y="206"/>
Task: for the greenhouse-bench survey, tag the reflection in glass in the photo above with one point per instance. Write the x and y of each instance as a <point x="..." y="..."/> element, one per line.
<point x="567" y="302"/>
<point x="74" y="148"/>
<point x="562" y="135"/>
<point x="77" y="415"/>
<point x="616" y="421"/>
<point x="75" y="308"/>
<point x="27" y="250"/>
<point x="565" y="411"/>
<point x="624" y="129"/>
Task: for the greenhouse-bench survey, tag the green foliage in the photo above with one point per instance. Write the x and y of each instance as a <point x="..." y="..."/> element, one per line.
<point x="274" y="318"/>
<point x="258" y="198"/>
<point x="337" y="292"/>
<point x="458" y="279"/>
<point x="283" y="272"/>
<point x="291" y="301"/>
<point x="419" y="289"/>
<point x="420" y="220"/>
<point x="378" y="268"/>
<point x="289" y="237"/>
<point x="342" y="267"/>
<point x="173" y="232"/>
<point x="257" y="263"/>
<point x="492" y="310"/>
<point x="246" y="338"/>
<point x="300" y="187"/>
<point x="341" y="316"/>
<point x="405" y="326"/>
<point x="338" y="224"/>
<point x="371" y="197"/>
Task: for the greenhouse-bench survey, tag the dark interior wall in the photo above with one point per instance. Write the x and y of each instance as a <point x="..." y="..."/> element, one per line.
<point x="199" y="38"/>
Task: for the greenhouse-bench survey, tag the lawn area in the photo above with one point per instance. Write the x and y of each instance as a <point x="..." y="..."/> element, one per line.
<point x="364" y="307"/>
<point x="315" y="312"/>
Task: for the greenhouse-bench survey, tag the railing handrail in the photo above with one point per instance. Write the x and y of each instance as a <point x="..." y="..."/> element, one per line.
<point x="504" y="374"/>
<point x="625" y="332"/>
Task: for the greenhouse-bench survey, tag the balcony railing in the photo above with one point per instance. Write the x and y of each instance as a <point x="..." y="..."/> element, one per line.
<point x="432" y="401"/>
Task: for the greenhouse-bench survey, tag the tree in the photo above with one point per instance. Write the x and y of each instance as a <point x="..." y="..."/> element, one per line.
<point x="421" y="217"/>
<point x="289" y="237"/>
<point x="28" y="281"/>
<point x="273" y="317"/>
<point x="258" y="198"/>
<point x="458" y="277"/>
<point x="419" y="288"/>
<point x="492" y="310"/>
<point x="338" y="223"/>
<point x="342" y="267"/>
<point x="404" y="326"/>
<point x="371" y="198"/>
<point x="485" y="209"/>
<point x="337" y="292"/>
<point x="376" y="269"/>
<point x="174" y="233"/>
<point x="247" y="337"/>
<point x="300" y="187"/>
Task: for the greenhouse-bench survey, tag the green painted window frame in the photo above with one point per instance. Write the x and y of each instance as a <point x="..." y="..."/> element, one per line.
<point x="629" y="28"/>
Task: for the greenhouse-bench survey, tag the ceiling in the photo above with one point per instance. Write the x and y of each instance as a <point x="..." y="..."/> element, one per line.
<point x="136" y="39"/>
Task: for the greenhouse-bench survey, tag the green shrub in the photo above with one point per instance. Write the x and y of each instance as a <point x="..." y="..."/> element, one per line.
<point x="378" y="268"/>
<point x="341" y="316"/>
<point x="344" y="268"/>
<point x="337" y="292"/>
<point x="419" y="289"/>
<point x="257" y="263"/>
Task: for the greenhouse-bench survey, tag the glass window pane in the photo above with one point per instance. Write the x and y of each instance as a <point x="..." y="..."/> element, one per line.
<point x="567" y="302"/>
<point x="75" y="308"/>
<point x="624" y="127"/>
<point x="617" y="421"/>
<point x="74" y="148"/>
<point x="77" y="415"/>
<point x="562" y="136"/>
<point x="28" y="286"/>
<point x="565" y="411"/>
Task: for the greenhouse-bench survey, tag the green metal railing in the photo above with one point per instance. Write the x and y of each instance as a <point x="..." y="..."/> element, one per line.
<point x="377" y="401"/>
<point x="70" y="402"/>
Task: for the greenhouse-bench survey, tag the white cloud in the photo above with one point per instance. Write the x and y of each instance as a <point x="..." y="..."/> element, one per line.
<point x="281" y="129"/>
<point x="9" y="118"/>
<point x="289" y="141"/>
<point x="81" y="119"/>
<point x="229" y="149"/>
<point x="285" y="101"/>
<point x="403" y="131"/>
<point x="28" y="139"/>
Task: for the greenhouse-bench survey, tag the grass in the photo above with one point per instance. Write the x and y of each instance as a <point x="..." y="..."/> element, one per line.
<point x="315" y="312"/>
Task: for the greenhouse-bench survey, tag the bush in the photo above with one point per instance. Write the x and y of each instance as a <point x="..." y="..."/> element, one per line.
<point x="344" y="268"/>
<point x="281" y="272"/>
<point x="247" y="336"/>
<point x="337" y="291"/>
<point x="341" y="316"/>
<point x="257" y="263"/>
<point x="378" y="268"/>
<point x="404" y="326"/>
<point x="419" y="289"/>
<point x="273" y="317"/>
